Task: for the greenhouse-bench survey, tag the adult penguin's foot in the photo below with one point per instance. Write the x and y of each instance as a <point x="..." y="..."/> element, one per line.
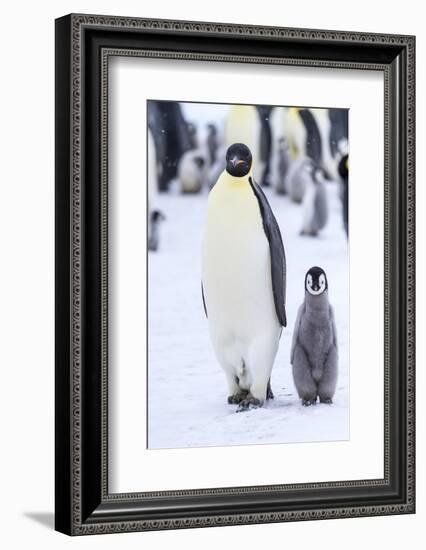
<point x="249" y="402"/>
<point x="236" y="398"/>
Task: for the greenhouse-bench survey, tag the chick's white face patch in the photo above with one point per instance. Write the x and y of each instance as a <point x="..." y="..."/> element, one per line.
<point x="314" y="289"/>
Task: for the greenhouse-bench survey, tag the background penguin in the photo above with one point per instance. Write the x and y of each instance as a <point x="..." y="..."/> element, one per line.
<point x="300" y="129"/>
<point x="265" y="143"/>
<point x="243" y="124"/>
<point x="313" y="147"/>
<point x="212" y="143"/>
<point x="154" y="216"/>
<point x="152" y="170"/>
<point x="284" y="161"/>
<point x="298" y="177"/>
<point x="327" y="162"/>
<point x="288" y="139"/>
<point x="216" y="169"/>
<point x="295" y="131"/>
<point x="338" y="129"/>
<point x="172" y="137"/>
<point x="333" y="127"/>
<point x="192" y="172"/>
<point x="243" y="280"/>
<point x="192" y="135"/>
<point x="314" y="348"/>
<point x="311" y="133"/>
<point x="315" y="204"/>
<point x="276" y="119"/>
<point x="344" y="178"/>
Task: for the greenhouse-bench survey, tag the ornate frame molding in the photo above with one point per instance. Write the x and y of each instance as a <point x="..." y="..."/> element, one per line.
<point x="72" y="46"/>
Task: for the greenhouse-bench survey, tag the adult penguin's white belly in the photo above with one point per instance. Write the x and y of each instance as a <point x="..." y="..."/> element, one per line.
<point x="237" y="284"/>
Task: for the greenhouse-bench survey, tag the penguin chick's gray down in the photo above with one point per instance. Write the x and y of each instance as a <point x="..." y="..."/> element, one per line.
<point x="298" y="176"/>
<point x="314" y="348"/>
<point x="315" y="204"/>
<point x="155" y="218"/>
<point x="192" y="171"/>
<point x="284" y="161"/>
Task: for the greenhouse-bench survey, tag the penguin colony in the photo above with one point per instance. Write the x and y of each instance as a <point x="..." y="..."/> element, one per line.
<point x="284" y="142"/>
<point x="295" y="151"/>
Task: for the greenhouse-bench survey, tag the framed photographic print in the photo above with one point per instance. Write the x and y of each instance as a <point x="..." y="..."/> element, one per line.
<point x="234" y="274"/>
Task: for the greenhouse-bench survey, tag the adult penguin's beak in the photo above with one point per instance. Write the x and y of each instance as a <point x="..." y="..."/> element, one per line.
<point x="235" y="161"/>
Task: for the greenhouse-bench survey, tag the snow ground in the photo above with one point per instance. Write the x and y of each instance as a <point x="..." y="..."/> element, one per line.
<point x="187" y="391"/>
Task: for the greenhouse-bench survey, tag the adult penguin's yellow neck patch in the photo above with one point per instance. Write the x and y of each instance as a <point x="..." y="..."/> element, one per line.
<point x="233" y="204"/>
<point x="234" y="182"/>
<point x="294" y="110"/>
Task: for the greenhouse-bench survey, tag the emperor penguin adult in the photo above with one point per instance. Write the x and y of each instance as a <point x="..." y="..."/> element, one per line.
<point x="343" y="169"/>
<point x="155" y="217"/>
<point x="338" y="129"/>
<point x="243" y="280"/>
<point x="314" y="354"/>
<point x="172" y="138"/>
<point x="295" y="131"/>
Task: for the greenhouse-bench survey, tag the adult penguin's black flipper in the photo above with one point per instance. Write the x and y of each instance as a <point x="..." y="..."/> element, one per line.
<point x="204" y="300"/>
<point x="276" y="247"/>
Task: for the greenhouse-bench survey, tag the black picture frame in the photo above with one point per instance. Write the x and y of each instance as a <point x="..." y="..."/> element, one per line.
<point x="83" y="45"/>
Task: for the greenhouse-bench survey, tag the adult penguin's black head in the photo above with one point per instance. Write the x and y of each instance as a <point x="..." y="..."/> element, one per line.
<point x="238" y="160"/>
<point x="316" y="281"/>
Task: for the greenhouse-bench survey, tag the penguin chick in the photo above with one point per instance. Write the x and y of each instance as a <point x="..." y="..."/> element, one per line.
<point x="315" y="204"/>
<point x="284" y="160"/>
<point x="243" y="280"/>
<point x="299" y="174"/>
<point x="314" y="355"/>
<point x="155" y="218"/>
<point x="192" y="134"/>
<point x="192" y="171"/>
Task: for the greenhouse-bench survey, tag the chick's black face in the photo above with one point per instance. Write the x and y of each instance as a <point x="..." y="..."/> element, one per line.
<point x="316" y="281"/>
<point x="238" y="160"/>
